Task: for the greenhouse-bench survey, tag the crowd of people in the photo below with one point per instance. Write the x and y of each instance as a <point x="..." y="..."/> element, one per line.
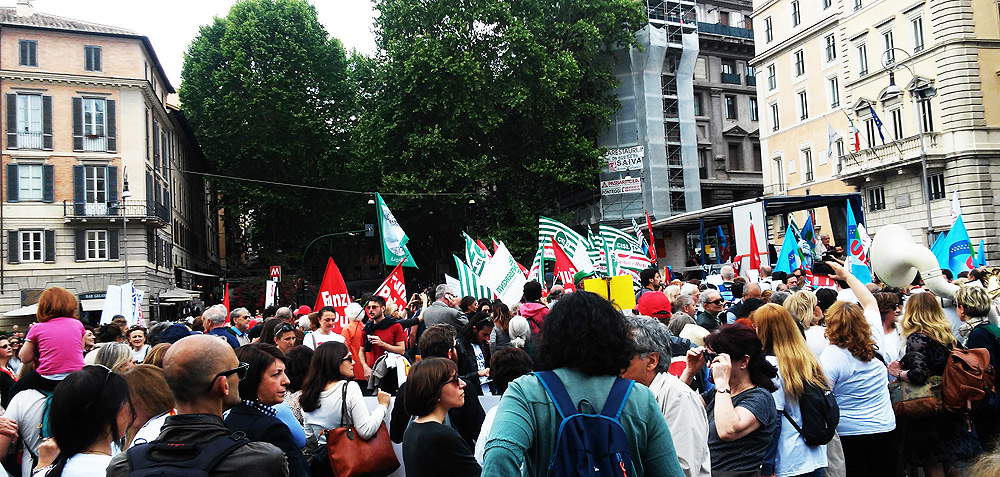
<point x="721" y="377"/>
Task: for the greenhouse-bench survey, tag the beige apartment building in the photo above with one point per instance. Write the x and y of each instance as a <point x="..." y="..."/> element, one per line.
<point x="823" y="64"/>
<point x="86" y="119"/>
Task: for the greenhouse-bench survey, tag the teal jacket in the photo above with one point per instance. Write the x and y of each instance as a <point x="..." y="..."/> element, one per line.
<point x="526" y="425"/>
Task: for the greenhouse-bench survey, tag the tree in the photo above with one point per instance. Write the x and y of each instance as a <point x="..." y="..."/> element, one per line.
<point x="267" y="92"/>
<point x="503" y="100"/>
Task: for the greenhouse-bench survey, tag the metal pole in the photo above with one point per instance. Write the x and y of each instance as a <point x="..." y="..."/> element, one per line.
<point x="125" y="239"/>
<point x="923" y="168"/>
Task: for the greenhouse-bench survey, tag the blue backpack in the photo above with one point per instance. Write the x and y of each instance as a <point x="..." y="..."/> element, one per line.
<point x="589" y="444"/>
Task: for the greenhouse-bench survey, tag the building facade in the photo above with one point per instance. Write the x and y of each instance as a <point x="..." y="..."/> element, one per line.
<point x="92" y="193"/>
<point x="910" y="78"/>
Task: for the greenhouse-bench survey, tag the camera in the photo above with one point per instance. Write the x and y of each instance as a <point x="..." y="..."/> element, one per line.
<point x="822" y="268"/>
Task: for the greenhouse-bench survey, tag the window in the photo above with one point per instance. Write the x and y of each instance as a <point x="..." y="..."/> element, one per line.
<point x="857" y="5"/>
<point x="29" y="121"/>
<point x="935" y="186"/>
<point x="94" y="122"/>
<point x="697" y="105"/>
<point x="754" y="114"/>
<point x="97" y="245"/>
<point x="31" y="245"/>
<point x="92" y="58"/>
<point x="838" y="147"/>
<point x="735" y="156"/>
<point x="28" y="50"/>
<point x="758" y="166"/>
<point x="876" y="198"/>
<point x="926" y="116"/>
<point x="731" y="110"/>
<point x="775" y="125"/>
<point x="827" y="4"/>
<point x="918" y="34"/>
<point x="772" y="78"/>
<point x="728" y="68"/>
<point x="800" y="63"/>
<point x="831" y="48"/>
<point x="807" y="165"/>
<point x="751" y="71"/>
<point x="796" y="13"/>
<point x="29" y="182"/>
<point x="834" y="91"/>
<point x="870" y="132"/>
<point x="95" y="187"/>
<point x="723" y="17"/>
<point x="701" y="68"/>
<point x="897" y="124"/>
<point x="803" y="106"/>
<point x="862" y="60"/>
<point x="768" y="30"/>
<point x="890" y="54"/>
<point x="778" y="176"/>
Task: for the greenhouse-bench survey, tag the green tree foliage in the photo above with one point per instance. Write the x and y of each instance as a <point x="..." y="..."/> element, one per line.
<point x="504" y="99"/>
<point x="267" y="91"/>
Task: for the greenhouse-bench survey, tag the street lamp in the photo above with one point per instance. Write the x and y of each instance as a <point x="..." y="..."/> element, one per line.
<point x="125" y="195"/>
<point x="925" y="93"/>
<point x="347" y="232"/>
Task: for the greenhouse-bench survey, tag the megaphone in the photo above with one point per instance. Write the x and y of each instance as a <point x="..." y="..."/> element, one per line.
<point x="896" y="259"/>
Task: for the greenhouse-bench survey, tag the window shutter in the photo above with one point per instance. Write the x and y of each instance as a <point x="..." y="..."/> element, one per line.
<point x="11" y="121"/>
<point x="112" y="188"/>
<point x="47" y="180"/>
<point x="12" y="186"/>
<point x="77" y="124"/>
<point x="112" y="130"/>
<point x="150" y="246"/>
<point x="156" y="144"/>
<point x="13" y="247"/>
<point x="145" y="127"/>
<point x="50" y="246"/>
<point x="113" y="244"/>
<point x="150" y="195"/>
<point x="46" y="122"/>
<point x="81" y="244"/>
<point x="79" y="190"/>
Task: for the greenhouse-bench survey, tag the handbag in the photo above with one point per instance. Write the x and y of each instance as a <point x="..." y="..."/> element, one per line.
<point x="909" y="400"/>
<point x="350" y="455"/>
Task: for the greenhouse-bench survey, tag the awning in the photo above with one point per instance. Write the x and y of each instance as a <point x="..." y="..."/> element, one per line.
<point x="23" y="311"/>
<point x="200" y="274"/>
<point x="178" y="294"/>
<point x="96" y="304"/>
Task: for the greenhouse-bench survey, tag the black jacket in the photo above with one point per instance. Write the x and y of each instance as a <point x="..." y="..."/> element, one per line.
<point x="256" y="459"/>
<point x="467" y="420"/>
<point x="467" y="367"/>
<point x="263" y="428"/>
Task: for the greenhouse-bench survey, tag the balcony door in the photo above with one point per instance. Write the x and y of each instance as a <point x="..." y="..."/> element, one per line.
<point x="95" y="190"/>
<point x="29" y="121"/>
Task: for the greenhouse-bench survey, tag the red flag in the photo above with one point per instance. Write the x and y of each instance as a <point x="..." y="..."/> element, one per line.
<point x="483" y="246"/>
<point x="225" y="301"/>
<point x="333" y="292"/>
<point x="652" y="244"/>
<point x="754" y="254"/>
<point x="495" y="245"/>
<point x="393" y="289"/>
<point x="564" y="269"/>
<point x="523" y="270"/>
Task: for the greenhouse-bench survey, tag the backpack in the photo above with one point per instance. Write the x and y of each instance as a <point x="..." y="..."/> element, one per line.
<point x="968" y="376"/>
<point x="184" y="459"/>
<point x="820" y="415"/>
<point x="589" y="444"/>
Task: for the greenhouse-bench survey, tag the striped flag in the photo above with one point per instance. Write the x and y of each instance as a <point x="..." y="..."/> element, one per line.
<point x="535" y="273"/>
<point x="469" y="281"/>
<point x="476" y="256"/>
<point x="627" y="253"/>
<point x="574" y="244"/>
<point x="596" y="251"/>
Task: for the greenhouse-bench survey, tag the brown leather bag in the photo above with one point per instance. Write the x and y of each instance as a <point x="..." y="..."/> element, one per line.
<point x="968" y="376"/>
<point x="350" y="455"/>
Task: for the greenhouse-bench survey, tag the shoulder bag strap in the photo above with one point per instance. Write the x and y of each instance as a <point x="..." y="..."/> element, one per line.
<point x="557" y="393"/>
<point x="789" y="418"/>
<point x="345" y="417"/>
<point x="620" y="391"/>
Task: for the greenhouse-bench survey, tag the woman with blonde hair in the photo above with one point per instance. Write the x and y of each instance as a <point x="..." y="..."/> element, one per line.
<point x="115" y="356"/>
<point x="804" y="308"/>
<point x="939" y="441"/>
<point x="797" y="370"/>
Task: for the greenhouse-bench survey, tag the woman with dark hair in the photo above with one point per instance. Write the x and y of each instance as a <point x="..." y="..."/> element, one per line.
<point x="297" y="366"/>
<point x="500" y="338"/>
<point x="586" y="344"/>
<point x="431" y="448"/>
<point x="328" y="387"/>
<point x="742" y="418"/>
<point x="90" y="412"/>
<point x="532" y="308"/>
<point x="468" y="305"/>
<point x="7" y="374"/>
<point x="137" y="340"/>
<point x="890" y="306"/>
<point x="474" y="352"/>
<point x="264" y="386"/>
<point x="279" y="333"/>
<point x="485" y="305"/>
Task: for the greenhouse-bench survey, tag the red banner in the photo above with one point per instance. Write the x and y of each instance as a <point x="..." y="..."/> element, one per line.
<point x="652" y="241"/>
<point x="333" y="292"/>
<point x="225" y="301"/>
<point x="393" y="289"/>
<point x="754" y="254"/>
<point x="564" y="269"/>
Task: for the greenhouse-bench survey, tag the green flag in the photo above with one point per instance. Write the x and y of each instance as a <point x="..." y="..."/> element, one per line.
<point x="469" y="281"/>
<point x="475" y="256"/>
<point x="393" y="238"/>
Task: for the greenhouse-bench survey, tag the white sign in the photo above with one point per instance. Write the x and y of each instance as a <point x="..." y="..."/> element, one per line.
<point x="625" y="158"/>
<point x="270" y="291"/>
<point x="504" y="277"/>
<point x="621" y="186"/>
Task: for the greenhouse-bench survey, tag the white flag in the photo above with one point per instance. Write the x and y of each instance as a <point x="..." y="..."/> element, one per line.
<point x="956" y="207"/>
<point x="504" y="277"/>
<point x="452" y="283"/>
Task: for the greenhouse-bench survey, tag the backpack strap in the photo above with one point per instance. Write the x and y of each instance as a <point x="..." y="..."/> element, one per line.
<point x="794" y="424"/>
<point x="206" y="456"/>
<point x="557" y="393"/>
<point x="620" y="391"/>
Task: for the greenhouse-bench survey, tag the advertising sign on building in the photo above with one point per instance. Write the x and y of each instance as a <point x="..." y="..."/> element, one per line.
<point x="621" y="186"/>
<point x="622" y="159"/>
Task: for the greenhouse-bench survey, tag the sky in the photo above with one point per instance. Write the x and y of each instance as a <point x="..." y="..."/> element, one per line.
<point x="172" y="24"/>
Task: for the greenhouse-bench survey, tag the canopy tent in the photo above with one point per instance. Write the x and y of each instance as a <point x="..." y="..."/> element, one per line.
<point x="23" y="311"/>
<point x="178" y="295"/>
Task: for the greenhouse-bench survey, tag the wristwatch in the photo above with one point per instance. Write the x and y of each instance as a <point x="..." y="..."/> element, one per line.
<point x="722" y="391"/>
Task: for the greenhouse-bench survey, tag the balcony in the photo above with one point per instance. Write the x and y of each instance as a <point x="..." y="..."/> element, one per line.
<point x="893" y="154"/>
<point x="101" y="212"/>
<point x="32" y="140"/>
<point x="725" y="30"/>
<point x="731" y="78"/>
<point x="751" y="80"/>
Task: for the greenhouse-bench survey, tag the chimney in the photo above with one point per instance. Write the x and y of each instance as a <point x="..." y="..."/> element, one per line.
<point x="24" y="8"/>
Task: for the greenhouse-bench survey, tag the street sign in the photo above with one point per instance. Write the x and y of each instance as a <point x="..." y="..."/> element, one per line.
<point x="276" y="273"/>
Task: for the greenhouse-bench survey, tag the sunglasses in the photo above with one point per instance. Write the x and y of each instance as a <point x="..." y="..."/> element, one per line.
<point x="716" y="302"/>
<point x="6" y="346"/>
<point x="285" y="327"/>
<point x="240" y="372"/>
<point x="349" y="359"/>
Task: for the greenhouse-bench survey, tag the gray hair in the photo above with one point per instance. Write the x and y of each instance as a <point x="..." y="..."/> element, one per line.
<point x="441" y="291"/>
<point x="727" y="273"/>
<point x="519" y="331"/>
<point x="284" y="313"/>
<point x="214" y="315"/>
<point x="689" y="289"/>
<point x="113" y="355"/>
<point x="681" y="301"/>
<point x="709" y="295"/>
<point x="651" y="336"/>
<point x="678" y="321"/>
<point x="238" y="312"/>
<point x="779" y="297"/>
<point x="765" y="270"/>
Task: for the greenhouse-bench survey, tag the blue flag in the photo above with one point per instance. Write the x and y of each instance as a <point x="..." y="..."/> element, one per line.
<point x="722" y="244"/>
<point x="955" y="253"/>
<point x="878" y="122"/>
<point x="857" y="256"/>
<point x="789" y="257"/>
<point x="981" y="256"/>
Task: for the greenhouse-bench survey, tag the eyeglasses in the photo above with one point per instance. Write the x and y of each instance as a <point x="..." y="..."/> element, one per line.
<point x="6" y="346"/>
<point x="372" y="307"/>
<point x="240" y="372"/>
<point x="454" y="380"/>
<point x="717" y="301"/>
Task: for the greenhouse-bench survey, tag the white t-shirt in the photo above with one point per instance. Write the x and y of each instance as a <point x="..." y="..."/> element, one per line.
<point x="27" y="408"/>
<point x="794" y="455"/>
<point x="892" y="346"/>
<point x="862" y="392"/>
<point x="139" y="355"/>
<point x="684" y="411"/>
<point x="150" y="430"/>
<point x="816" y="339"/>
<point x="319" y="338"/>
<point x="87" y="465"/>
<point x="327" y="415"/>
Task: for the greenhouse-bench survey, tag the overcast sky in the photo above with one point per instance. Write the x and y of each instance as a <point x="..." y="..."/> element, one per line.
<point x="172" y="24"/>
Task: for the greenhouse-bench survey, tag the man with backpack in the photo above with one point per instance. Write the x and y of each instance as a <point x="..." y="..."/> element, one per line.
<point x="204" y="375"/>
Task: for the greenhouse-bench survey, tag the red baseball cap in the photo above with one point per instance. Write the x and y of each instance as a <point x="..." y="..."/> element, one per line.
<point x="654" y="304"/>
<point x="303" y="310"/>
